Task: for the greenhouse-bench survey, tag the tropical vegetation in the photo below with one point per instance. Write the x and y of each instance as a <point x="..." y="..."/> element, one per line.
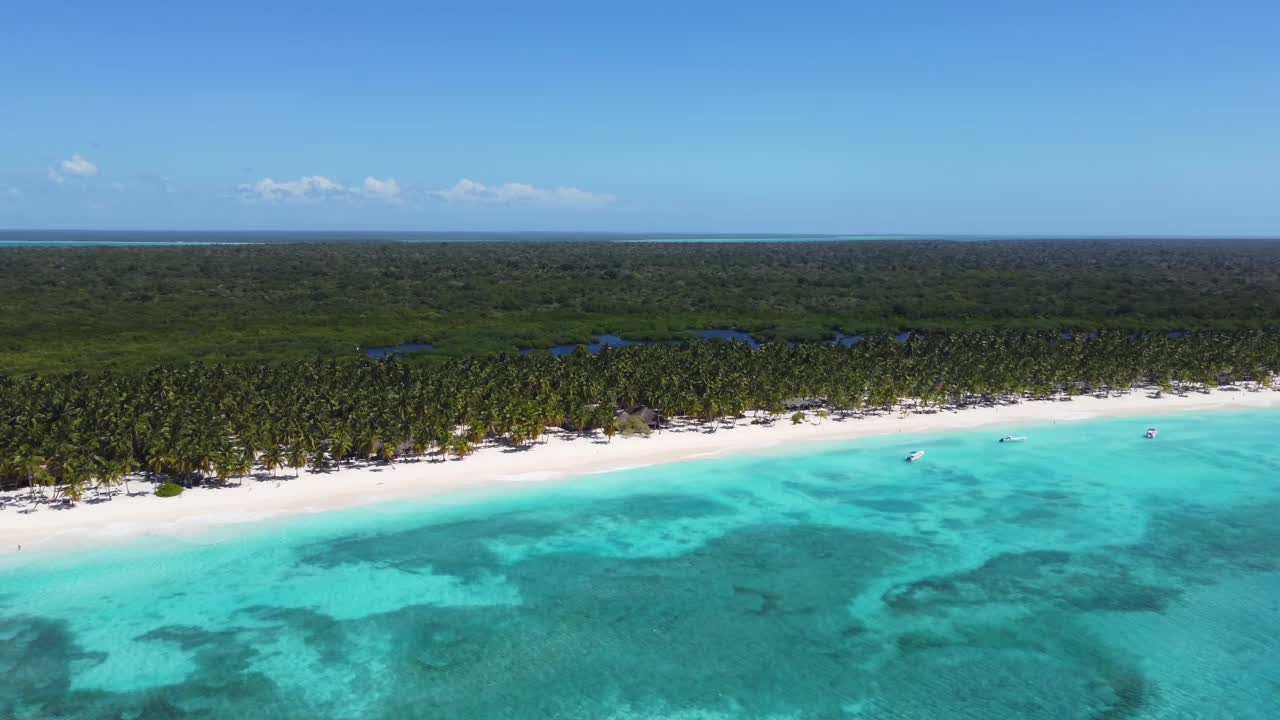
<point x="169" y="489"/>
<point x="63" y="436"/>
<point x="65" y="309"/>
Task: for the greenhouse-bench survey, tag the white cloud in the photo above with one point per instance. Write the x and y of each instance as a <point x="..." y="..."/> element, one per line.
<point x="309" y="188"/>
<point x="517" y="192"/>
<point x="318" y="188"/>
<point x="78" y="166"/>
<point x="574" y="196"/>
<point x="388" y="190"/>
<point x="464" y="189"/>
<point x="75" y="166"/>
<point x="467" y="190"/>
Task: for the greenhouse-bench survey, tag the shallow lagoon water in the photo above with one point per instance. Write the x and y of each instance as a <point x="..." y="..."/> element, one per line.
<point x="1086" y="573"/>
<point x="386" y="351"/>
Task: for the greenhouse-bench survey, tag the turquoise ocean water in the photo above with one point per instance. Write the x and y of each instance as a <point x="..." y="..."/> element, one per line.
<point x="1087" y="573"/>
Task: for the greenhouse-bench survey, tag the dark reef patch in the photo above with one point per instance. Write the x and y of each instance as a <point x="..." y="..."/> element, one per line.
<point x="1087" y="582"/>
<point x="459" y="547"/>
<point x="702" y="630"/>
<point x="463" y="547"/>
<point x="767" y="619"/>
<point x="35" y="661"/>
<point x="1199" y="543"/>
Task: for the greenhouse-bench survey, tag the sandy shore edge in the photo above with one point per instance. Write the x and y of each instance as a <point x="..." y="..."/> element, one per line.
<point x="559" y="457"/>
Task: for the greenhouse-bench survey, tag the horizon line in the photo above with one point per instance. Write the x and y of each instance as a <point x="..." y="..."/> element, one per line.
<point x="692" y="235"/>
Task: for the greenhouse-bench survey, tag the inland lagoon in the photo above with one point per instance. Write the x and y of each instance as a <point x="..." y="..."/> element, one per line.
<point x="1085" y="573"/>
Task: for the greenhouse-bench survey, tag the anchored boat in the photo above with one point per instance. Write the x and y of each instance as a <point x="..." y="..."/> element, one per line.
<point x="1151" y="433"/>
<point x="915" y="456"/>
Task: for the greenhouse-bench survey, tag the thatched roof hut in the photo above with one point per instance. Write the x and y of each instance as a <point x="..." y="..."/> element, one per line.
<point x="649" y="415"/>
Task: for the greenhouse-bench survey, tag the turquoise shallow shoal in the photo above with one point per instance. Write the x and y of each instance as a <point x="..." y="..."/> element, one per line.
<point x="1087" y="573"/>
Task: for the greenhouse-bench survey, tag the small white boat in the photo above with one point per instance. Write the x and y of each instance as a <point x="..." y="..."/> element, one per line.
<point x="1013" y="438"/>
<point x="915" y="456"/>
<point x="1151" y="433"/>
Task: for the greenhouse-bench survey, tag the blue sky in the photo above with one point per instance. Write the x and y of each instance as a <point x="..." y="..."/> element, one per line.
<point x="977" y="117"/>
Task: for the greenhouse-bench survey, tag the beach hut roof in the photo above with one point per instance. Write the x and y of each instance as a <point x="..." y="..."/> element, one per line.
<point x="649" y="415"/>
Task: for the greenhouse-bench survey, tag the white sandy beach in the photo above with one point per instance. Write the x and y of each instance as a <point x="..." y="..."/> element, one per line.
<point x="558" y="457"/>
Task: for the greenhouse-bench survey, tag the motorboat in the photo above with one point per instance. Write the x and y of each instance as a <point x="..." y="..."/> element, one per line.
<point x="1013" y="438"/>
<point x="915" y="456"/>
<point x="1151" y="433"/>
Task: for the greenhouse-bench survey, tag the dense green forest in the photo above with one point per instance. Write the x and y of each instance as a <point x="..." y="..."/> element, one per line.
<point x="215" y="362"/>
<point x="76" y="431"/>
<point x="130" y="308"/>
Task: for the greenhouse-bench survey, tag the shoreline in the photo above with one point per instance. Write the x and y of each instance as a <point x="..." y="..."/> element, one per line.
<point x="560" y="456"/>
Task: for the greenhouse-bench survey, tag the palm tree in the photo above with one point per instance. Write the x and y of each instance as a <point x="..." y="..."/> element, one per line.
<point x="339" y="446"/>
<point x="221" y="464"/>
<point x="75" y="470"/>
<point x="297" y="458"/>
<point x="273" y="458"/>
<point x="26" y="463"/>
<point x="123" y="468"/>
<point x="460" y="445"/>
<point x="158" y="458"/>
<point x="318" y="460"/>
<point x="240" y="465"/>
<point x="183" y="420"/>
<point x="109" y="474"/>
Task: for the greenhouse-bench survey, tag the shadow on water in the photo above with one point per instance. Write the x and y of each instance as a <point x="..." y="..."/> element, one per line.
<point x="602" y="341"/>
<point x="378" y="353"/>
<point x="617" y="341"/>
